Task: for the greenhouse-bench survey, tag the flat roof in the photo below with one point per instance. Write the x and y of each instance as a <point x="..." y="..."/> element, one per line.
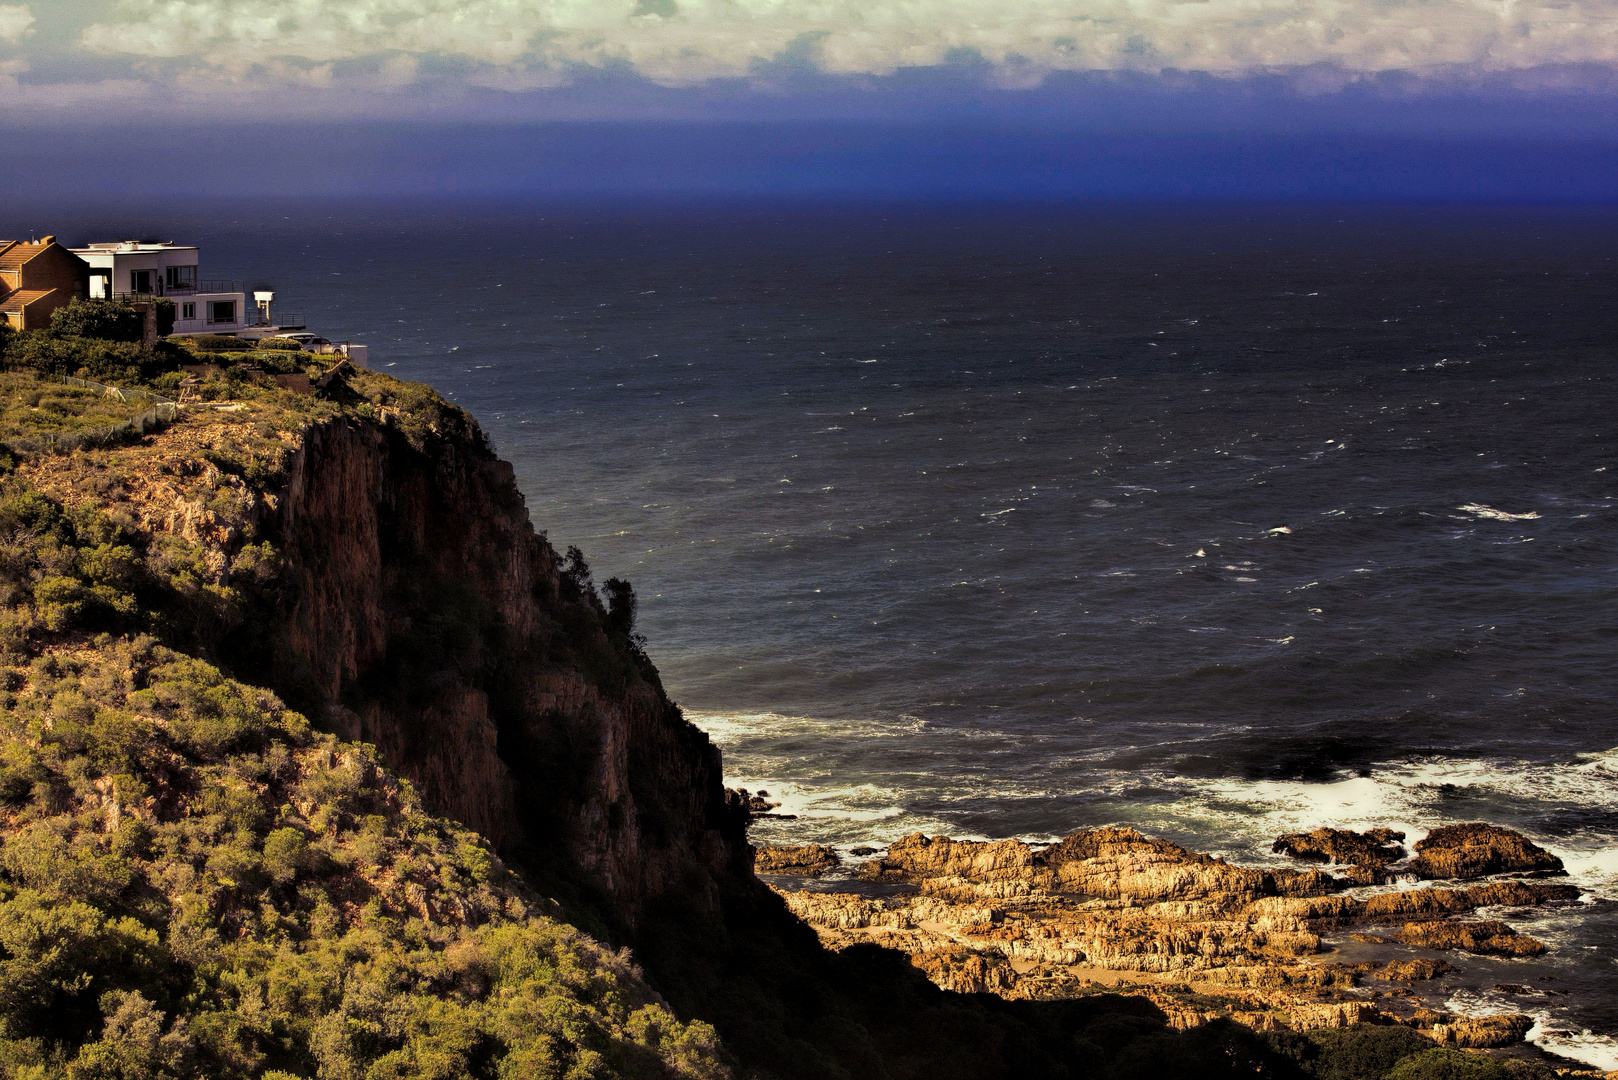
<point x="127" y="246"/>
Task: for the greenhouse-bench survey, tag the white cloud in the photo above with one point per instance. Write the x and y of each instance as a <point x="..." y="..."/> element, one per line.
<point x="705" y="39"/>
<point x="16" y="22"/>
<point x="528" y="43"/>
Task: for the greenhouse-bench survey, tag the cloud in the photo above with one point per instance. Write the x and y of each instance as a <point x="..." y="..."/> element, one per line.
<point x="16" y="22"/>
<point x="523" y="44"/>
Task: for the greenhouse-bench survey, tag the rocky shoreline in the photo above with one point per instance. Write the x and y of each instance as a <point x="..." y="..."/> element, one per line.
<point x="1111" y="910"/>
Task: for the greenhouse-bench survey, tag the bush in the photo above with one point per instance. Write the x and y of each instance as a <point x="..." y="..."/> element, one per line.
<point x="286" y="852"/>
<point x="1363" y="1051"/>
<point x="218" y="343"/>
<point x="116" y="362"/>
<point x="280" y="343"/>
<point x="105" y="320"/>
<point x="1440" y="1063"/>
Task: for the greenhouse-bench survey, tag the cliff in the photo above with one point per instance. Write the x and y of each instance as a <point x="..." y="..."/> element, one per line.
<point x="420" y="612"/>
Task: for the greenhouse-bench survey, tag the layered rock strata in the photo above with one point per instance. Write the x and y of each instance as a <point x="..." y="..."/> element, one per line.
<point x="1111" y="908"/>
<point x="1476" y="849"/>
<point x="1362" y="858"/>
<point x="810" y="860"/>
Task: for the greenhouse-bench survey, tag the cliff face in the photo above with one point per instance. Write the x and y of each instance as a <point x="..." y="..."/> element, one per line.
<point x="419" y="611"/>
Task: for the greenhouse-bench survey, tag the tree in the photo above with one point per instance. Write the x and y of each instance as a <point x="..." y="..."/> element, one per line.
<point x="621" y="606"/>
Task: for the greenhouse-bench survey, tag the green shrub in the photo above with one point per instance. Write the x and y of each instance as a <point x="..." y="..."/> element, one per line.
<point x="1441" y="1063"/>
<point x="286" y="852"/>
<point x="218" y="343"/>
<point x="119" y="363"/>
<point x="280" y="343"/>
<point x="1363" y="1051"/>
<point x="105" y="320"/>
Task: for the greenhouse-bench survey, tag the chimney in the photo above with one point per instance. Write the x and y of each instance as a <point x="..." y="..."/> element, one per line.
<point x="45" y="240"/>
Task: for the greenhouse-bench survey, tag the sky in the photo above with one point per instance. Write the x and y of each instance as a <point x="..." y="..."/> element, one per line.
<point x="1474" y="98"/>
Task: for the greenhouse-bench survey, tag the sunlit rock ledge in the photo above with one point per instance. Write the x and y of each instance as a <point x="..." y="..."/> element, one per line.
<point x="1112" y="910"/>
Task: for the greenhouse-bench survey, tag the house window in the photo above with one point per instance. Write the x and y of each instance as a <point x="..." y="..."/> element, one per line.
<point x="181" y="277"/>
<point x="140" y="281"/>
<point x="188" y="311"/>
<point x="222" y="311"/>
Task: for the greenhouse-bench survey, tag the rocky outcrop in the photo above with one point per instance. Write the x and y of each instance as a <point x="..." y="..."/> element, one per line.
<point x="810" y="860"/>
<point x="917" y="857"/>
<point x="1362" y="857"/>
<point x="1122" y="864"/>
<point x="1437" y="901"/>
<point x="1482" y="1032"/>
<point x="1489" y="938"/>
<point x="1115" y="908"/>
<point x="1477" y="850"/>
<point x="1376" y="847"/>
<point x="1415" y="970"/>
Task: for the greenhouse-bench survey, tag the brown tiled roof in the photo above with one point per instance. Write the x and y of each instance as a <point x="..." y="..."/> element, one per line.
<point x="14" y="254"/>
<point x="13" y="304"/>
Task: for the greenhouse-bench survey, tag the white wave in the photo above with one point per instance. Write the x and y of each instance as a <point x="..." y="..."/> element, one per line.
<point x="1489" y="512"/>
<point x="1272" y="807"/>
<point x="1411" y="797"/>
<point x="1279" y="530"/>
<point x="1600" y="1051"/>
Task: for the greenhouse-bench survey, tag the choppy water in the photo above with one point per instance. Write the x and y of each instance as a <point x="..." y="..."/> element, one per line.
<point x="1004" y="522"/>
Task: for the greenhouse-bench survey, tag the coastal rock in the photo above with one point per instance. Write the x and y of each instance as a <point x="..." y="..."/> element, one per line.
<point x="1430" y="901"/>
<point x="967" y="972"/>
<point x="1477" y="849"/>
<point x="1333" y="1017"/>
<point x="1122" y="864"/>
<point x="1482" y="1032"/>
<point x="810" y="860"/>
<point x="915" y="857"/>
<point x="1488" y="938"/>
<point x="1112" y="907"/>
<point x="844" y="911"/>
<point x="756" y="802"/>
<point x="1375" y="847"/>
<point x="1415" y="970"/>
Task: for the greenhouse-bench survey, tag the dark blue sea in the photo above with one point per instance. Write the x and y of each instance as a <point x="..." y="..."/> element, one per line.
<point x="1010" y="520"/>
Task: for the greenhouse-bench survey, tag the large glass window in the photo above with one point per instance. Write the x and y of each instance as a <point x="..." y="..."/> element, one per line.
<point x="183" y="278"/>
<point x="222" y="311"/>
<point x="140" y="281"/>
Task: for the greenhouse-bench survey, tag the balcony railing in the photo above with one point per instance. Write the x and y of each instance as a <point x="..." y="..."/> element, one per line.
<point x="207" y="285"/>
<point x="283" y="320"/>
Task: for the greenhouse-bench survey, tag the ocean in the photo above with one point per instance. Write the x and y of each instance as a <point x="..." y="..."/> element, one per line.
<point x="1009" y="520"/>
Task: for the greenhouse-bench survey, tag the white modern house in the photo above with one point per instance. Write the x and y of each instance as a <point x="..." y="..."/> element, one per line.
<point x="139" y="270"/>
<point x="135" y="270"/>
